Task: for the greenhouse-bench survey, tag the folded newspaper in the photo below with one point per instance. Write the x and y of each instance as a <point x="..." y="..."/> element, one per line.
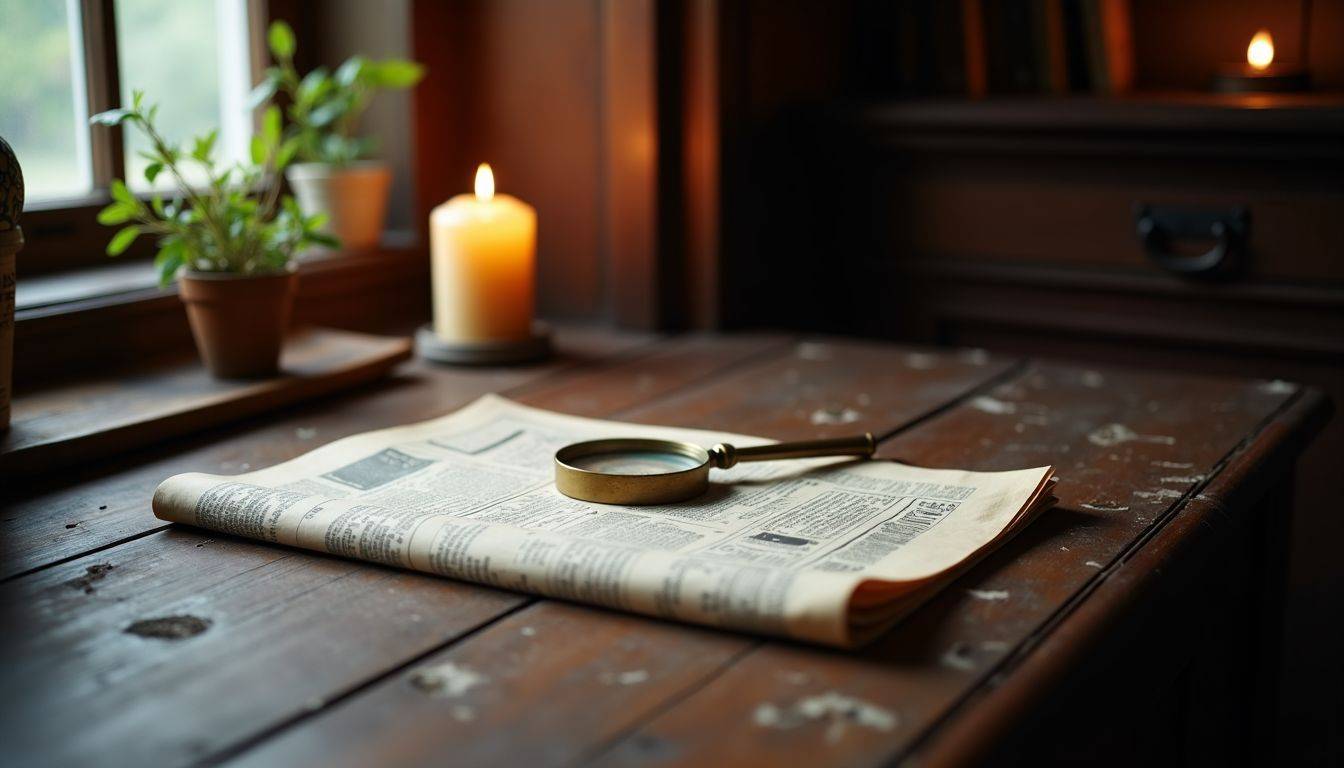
<point x="820" y="550"/>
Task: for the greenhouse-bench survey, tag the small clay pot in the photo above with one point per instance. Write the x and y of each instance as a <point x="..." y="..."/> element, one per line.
<point x="238" y="321"/>
<point x="354" y="197"/>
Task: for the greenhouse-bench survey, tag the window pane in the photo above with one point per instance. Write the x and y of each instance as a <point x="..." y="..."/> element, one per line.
<point x="190" y="57"/>
<point x="43" y="110"/>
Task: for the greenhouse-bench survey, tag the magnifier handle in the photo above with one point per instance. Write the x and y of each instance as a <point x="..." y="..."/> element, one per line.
<point x="725" y="456"/>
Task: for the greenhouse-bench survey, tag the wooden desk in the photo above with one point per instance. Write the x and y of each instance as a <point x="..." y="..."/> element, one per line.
<point x="1135" y="620"/>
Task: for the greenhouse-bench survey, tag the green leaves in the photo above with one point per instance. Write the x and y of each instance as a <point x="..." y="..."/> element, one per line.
<point x="122" y="240"/>
<point x="204" y="146"/>
<point x="391" y="73"/>
<point x="266" y="144"/>
<point x="315" y="87"/>
<point x="257" y="150"/>
<point x="171" y="257"/>
<point x="285" y="156"/>
<point x="227" y="225"/>
<point x="395" y="73"/>
<point x="124" y="206"/>
<point x="280" y="37"/>
<point x="120" y="193"/>
<point x="110" y="117"/>
<point x="349" y="73"/>
<point x="238" y="221"/>
<point x="325" y="107"/>
<point x="328" y="113"/>
<point x="270" y="126"/>
<point x="264" y="91"/>
<point x="116" y="213"/>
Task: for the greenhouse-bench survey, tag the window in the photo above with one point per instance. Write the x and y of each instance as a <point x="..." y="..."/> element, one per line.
<point x="62" y="60"/>
<point x="45" y="108"/>
<point x="196" y="70"/>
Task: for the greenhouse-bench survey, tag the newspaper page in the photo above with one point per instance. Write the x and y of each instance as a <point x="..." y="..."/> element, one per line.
<point x="817" y="549"/>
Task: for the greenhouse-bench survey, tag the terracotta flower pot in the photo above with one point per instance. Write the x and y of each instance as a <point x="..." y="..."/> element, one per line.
<point x="238" y="321"/>
<point x="354" y="197"/>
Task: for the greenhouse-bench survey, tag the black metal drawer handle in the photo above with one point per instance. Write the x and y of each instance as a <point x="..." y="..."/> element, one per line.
<point x="1159" y="227"/>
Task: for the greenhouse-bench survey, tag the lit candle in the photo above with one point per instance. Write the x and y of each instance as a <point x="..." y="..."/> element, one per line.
<point x="1261" y="73"/>
<point x="1260" y="51"/>
<point x="483" y="258"/>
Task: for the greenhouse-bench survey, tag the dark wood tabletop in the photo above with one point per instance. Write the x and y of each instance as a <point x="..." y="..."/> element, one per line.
<point x="1136" y="617"/>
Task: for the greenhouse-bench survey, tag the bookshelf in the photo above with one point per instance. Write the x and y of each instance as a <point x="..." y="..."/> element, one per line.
<point x="979" y="49"/>
<point x="1305" y="113"/>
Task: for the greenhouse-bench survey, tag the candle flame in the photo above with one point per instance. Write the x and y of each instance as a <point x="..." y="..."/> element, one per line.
<point x="485" y="183"/>
<point x="1260" y="53"/>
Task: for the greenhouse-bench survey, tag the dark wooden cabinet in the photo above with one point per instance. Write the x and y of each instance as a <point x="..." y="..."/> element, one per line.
<point x="1012" y="224"/>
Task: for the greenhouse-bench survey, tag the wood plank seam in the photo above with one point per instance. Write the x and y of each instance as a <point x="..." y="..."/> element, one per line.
<point x="996" y="672"/>
<point x="1012" y="371"/>
<point x="86" y="553"/>
<point x="768" y="351"/>
<point x="671" y="703"/>
<point x="238" y="748"/>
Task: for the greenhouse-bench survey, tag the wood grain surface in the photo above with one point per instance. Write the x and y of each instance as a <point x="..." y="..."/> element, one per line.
<point x="170" y="645"/>
<point x="604" y="672"/>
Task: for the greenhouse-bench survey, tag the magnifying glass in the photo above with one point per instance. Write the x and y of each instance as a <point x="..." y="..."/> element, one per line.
<point x="639" y="471"/>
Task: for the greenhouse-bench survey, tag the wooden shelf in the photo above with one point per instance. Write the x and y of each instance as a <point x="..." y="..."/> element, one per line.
<point x="1311" y="114"/>
<point x="97" y="417"/>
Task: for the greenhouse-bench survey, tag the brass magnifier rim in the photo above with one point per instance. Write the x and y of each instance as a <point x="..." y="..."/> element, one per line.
<point x="682" y="484"/>
<point x="612" y="488"/>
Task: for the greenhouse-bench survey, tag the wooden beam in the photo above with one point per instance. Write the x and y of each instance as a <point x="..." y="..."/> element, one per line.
<point x="701" y="146"/>
<point x="629" y="160"/>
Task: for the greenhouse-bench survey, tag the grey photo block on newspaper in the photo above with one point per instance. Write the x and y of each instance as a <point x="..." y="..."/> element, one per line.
<point x="379" y="469"/>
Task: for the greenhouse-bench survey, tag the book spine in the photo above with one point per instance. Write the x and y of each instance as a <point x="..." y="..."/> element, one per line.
<point x="1119" y="44"/>
<point x="1053" y="51"/>
<point x="1075" y="46"/>
<point x="1097" y="71"/>
<point x="974" y="49"/>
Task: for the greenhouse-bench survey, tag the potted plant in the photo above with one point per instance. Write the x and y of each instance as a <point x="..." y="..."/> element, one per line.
<point x="231" y="242"/>
<point x="333" y="174"/>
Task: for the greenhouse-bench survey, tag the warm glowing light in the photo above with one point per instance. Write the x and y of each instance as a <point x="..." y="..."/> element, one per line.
<point x="485" y="183"/>
<point x="1260" y="53"/>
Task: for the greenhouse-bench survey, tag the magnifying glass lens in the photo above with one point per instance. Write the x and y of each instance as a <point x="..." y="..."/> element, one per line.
<point x="634" y="462"/>
<point x="642" y="471"/>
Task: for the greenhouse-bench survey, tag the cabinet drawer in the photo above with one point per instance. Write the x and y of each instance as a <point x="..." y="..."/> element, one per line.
<point x="1083" y="213"/>
<point x="1292" y="236"/>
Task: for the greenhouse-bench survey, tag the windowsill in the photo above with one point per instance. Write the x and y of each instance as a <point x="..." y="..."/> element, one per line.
<point x="115" y="316"/>
<point x="127" y="282"/>
<point x="110" y="281"/>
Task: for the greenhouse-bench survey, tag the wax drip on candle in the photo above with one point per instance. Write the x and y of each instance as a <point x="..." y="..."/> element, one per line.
<point x="485" y="183"/>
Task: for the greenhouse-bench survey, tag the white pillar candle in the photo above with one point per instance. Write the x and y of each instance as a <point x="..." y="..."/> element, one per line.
<point x="483" y="263"/>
